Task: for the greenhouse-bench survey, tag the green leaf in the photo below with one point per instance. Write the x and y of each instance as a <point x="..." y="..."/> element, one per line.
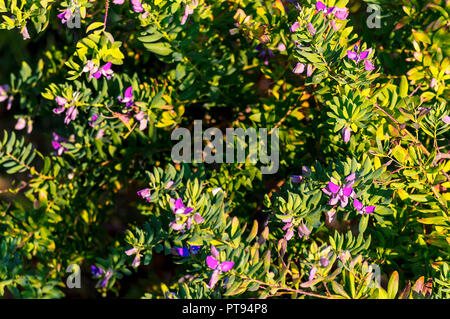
<point x="393" y="285"/>
<point x="159" y="48"/>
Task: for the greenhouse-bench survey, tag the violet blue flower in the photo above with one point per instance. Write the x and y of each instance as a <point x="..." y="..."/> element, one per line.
<point x="96" y="271"/>
<point x="56" y="144"/>
<point x="295" y="179"/>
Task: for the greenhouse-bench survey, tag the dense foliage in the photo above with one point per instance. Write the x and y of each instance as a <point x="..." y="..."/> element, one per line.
<point x="92" y="90"/>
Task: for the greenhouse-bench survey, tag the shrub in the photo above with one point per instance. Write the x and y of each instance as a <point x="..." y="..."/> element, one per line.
<point x="358" y="207"/>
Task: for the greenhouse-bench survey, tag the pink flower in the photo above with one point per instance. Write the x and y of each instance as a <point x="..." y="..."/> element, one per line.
<point x="295" y="26"/>
<point x="65" y="15"/>
<point x="311" y="29"/>
<point x="142" y="120"/>
<point x="25" y="34"/>
<point x="145" y="194"/>
<point x="106" y="71"/>
<point x="137" y="6"/>
<point x="346" y="133"/>
<point x="446" y="119"/>
<point x="71" y="114"/>
<point x="137" y="258"/>
<point x="341" y="13"/>
<point x="303" y="231"/>
<point x="363" y="209"/>
<point x="21" y="124"/>
<point x="3" y="92"/>
<point x="368" y="65"/>
<point x="299" y="68"/>
<point x="340" y="194"/>
<point x="213" y="263"/>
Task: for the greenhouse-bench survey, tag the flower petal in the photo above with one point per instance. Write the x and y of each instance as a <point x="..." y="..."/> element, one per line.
<point x="211" y="262"/>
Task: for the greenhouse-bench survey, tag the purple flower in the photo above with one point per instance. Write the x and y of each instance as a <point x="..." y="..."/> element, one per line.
<point x="295" y="179"/>
<point x="96" y="271"/>
<point x="65" y="15"/>
<point x="289" y="228"/>
<point x="213" y="263"/>
<point x="180" y="208"/>
<point x="118" y="1"/>
<point x="324" y="262"/>
<point x="303" y="231"/>
<point x="183" y="215"/>
<point x="311" y="29"/>
<point x="56" y="144"/>
<point x="346" y="133"/>
<point x="170" y="184"/>
<point x="322" y="7"/>
<point x="363" y="209"/>
<point x="341" y="13"/>
<point x="93" y="120"/>
<point x="106" y="71"/>
<point x="137" y="257"/>
<point x="145" y="194"/>
<point x="281" y="47"/>
<point x="184" y="251"/>
<point x="340" y="194"/>
<point x="312" y="273"/>
<point x="103" y="283"/>
<point x="128" y="97"/>
<point x="368" y="65"/>
<point x="264" y="54"/>
<point x="357" y="57"/>
<point x="61" y="101"/>
<point x="71" y="114"/>
<point x="96" y="72"/>
<point x="310" y="69"/>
